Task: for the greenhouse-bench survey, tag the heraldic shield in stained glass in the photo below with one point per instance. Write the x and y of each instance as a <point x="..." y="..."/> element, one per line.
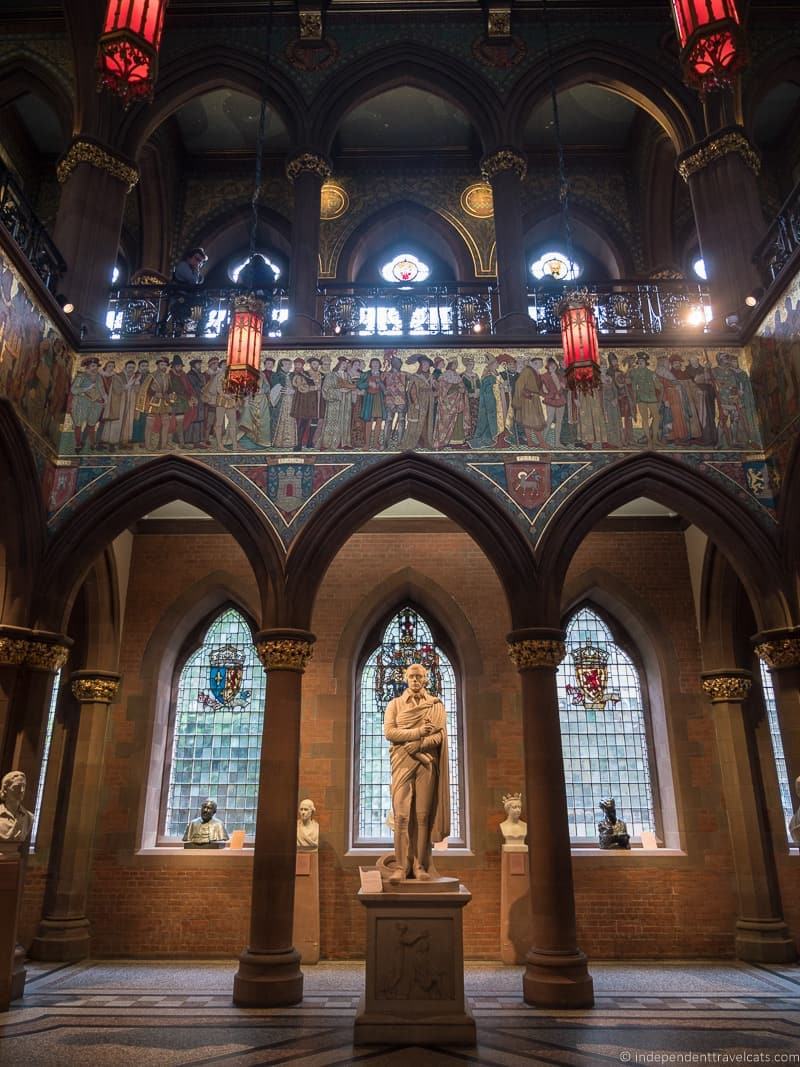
<point x="591" y="672"/>
<point x="407" y="645"/>
<point x="225" y="674"/>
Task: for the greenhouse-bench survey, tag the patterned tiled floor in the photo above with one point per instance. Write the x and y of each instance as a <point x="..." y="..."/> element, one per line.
<point x="165" y="1013"/>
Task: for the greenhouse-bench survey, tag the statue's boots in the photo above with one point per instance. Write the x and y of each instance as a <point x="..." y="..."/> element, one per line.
<point x="401" y="851"/>
<point x="422" y="860"/>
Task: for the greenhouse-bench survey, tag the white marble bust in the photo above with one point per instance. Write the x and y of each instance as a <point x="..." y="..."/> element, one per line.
<point x="794" y="822"/>
<point x="513" y="829"/>
<point x="16" y="821"/>
<point x="307" y="826"/>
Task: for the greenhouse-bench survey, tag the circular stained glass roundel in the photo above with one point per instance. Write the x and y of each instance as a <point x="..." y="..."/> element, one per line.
<point x="405" y="268"/>
<point x="555" y="265"/>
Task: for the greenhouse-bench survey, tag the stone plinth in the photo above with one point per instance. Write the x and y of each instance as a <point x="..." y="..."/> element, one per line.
<point x="415" y="970"/>
<point x="12" y="973"/>
<point x="516" y="935"/>
<point x="305" y="935"/>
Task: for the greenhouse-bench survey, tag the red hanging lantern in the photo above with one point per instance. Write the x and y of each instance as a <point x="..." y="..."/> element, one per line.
<point x="712" y="44"/>
<point x="244" y="345"/>
<point x="579" y="340"/>
<point x="127" y="51"/>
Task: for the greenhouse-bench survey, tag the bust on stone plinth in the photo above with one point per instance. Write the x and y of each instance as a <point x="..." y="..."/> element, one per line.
<point x="208" y="831"/>
<point x="16" y="822"/>
<point x="307" y="827"/>
<point x="513" y="829"/>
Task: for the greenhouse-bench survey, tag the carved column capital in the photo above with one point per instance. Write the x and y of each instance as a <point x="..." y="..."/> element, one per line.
<point x="501" y="160"/>
<point x="285" y="650"/>
<point x="40" y="650"/>
<point x="779" y="648"/>
<point x="715" y="147"/>
<point x="727" y="687"/>
<point x="13" y="645"/>
<point x="94" y="687"/>
<point x="534" y="648"/>
<point x="83" y="150"/>
<point x="308" y="161"/>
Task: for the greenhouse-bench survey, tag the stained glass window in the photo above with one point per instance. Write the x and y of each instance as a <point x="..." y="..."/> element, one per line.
<point x="557" y="266"/>
<point x="219" y="713"/>
<point x="777" y="744"/>
<point x="603" y="730"/>
<point x="407" y="639"/>
<point x="48" y="739"/>
<point x="405" y="268"/>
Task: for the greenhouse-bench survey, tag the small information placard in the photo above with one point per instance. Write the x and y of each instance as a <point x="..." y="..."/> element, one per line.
<point x="371" y="881"/>
<point x="237" y="839"/>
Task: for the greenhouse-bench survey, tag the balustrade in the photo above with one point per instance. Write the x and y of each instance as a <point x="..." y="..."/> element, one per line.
<point x="23" y="226"/>
<point x="780" y="241"/>
<point x="174" y="311"/>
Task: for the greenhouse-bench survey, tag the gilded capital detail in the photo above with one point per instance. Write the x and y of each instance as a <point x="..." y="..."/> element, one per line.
<point x="94" y="689"/>
<point x="780" y="652"/>
<point x="43" y="656"/>
<point x="504" y="159"/>
<point x="89" y="152"/>
<point x="715" y="149"/>
<point x="536" y="653"/>
<point x="308" y="161"/>
<point x="727" y="687"/>
<point x="284" y="654"/>
<point x="12" y="651"/>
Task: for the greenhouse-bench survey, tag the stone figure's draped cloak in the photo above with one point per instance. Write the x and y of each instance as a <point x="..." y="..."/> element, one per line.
<point x="431" y="710"/>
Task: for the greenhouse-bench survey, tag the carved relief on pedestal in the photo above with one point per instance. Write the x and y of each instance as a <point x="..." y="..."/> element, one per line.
<point x="414" y="959"/>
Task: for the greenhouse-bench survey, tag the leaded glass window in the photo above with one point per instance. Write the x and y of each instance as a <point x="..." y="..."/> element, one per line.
<point x="48" y="740"/>
<point x="777" y="744"/>
<point x="218" y="717"/>
<point x="603" y="730"/>
<point x="406" y="639"/>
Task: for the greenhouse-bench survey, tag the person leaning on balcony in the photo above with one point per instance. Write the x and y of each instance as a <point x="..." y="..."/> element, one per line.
<point x="186" y="276"/>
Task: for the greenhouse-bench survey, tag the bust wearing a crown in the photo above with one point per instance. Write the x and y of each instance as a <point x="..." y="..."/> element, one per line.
<point x="513" y="829"/>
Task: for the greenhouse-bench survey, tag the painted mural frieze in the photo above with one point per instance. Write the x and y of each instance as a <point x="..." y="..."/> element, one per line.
<point x="503" y="416"/>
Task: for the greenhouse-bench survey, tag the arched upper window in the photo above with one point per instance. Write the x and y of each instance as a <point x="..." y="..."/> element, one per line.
<point x="604" y="730"/>
<point x="557" y="266"/>
<point x="405" y="268"/>
<point x="216" y="720"/>
<point x="406" y="639"/>
<point x="777" y="744"/>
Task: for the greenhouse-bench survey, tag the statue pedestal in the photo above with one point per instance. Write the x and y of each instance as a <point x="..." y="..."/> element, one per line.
<point x="305" y="935"/>
<point x="12" y="969"/>
<point x="515" y="904"/>
<point x="415" y="969"/>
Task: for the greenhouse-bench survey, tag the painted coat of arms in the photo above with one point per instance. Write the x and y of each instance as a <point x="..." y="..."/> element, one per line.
<point x="591" y="672"/>
<point x="528" y="483"/>
<point x="225" y="674"/>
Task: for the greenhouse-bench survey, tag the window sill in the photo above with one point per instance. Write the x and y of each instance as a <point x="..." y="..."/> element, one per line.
<point x="172" y="852"/>
<point x="375" y="853"/>
<point x="630" y="853"/>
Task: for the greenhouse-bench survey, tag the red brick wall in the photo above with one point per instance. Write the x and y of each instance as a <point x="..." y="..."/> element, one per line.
<point x="628" y="906"/>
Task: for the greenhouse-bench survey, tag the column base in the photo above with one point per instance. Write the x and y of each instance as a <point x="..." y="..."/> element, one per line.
<point x="557" y="980"/>
<point x="764" y="941"/>
<point x="61" y="941"/>
<point x="268" y="979"/>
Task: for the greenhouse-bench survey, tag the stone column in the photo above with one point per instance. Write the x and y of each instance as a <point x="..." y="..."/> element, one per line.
<point x="556" y="974"/>
<point x="505" y="171"/>
<point x="23" y="738"/>
<point x="95" y="184"/>
<point x="761" y="934"/>
<point x="63" y="932"/>
<point x="269" y="972"/>
<point x="780" y="650"/>
<point x="39" y="655"/>
<point x="721" y="173"/>
<point x="13" y="650"/>
<point x="307" y="172"/>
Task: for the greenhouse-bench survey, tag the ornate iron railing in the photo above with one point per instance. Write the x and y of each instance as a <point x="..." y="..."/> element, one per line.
<point x="455" y="310"/>
<point x="175" y="311"/>
<point x="22" y="224"/>
<point x="780" y="240"/>
<point x="629" y="308"/>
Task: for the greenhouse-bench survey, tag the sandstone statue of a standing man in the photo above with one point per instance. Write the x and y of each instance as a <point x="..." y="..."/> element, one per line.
<point x="415" y="725"/>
